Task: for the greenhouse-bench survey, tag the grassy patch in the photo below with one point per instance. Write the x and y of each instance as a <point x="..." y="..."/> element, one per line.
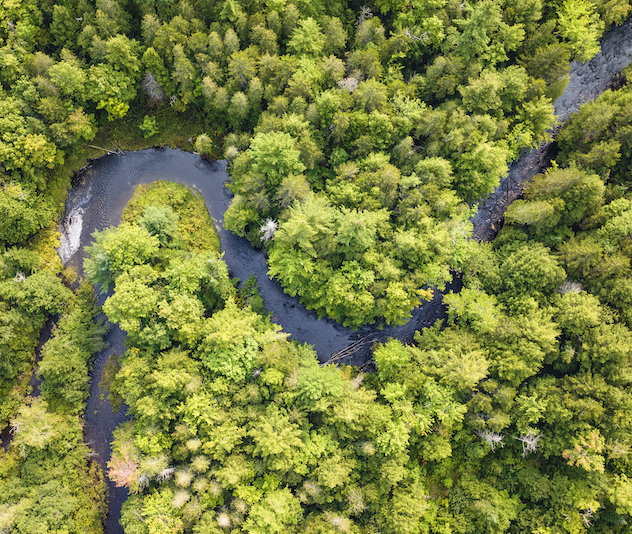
<point x="177" y="130"/>
<point x="195" y="224"/>
<point x="112" y="367"/>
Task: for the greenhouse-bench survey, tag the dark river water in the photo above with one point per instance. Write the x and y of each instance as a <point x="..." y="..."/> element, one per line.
<point x="99" y="195"/>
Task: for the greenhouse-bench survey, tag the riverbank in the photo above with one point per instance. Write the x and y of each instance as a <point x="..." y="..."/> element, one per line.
<point x="587" y="81"/>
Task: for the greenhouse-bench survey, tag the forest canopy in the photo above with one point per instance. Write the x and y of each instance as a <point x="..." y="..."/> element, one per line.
<point x="389" y="116"/>
<point x="359" y="139"/>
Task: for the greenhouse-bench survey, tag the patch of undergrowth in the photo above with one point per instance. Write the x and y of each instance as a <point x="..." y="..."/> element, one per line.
<point x="249" y="295"/>
<point x="112" y="367"/>
<point x="173" y="129"/>
<point x="195" y="227"/>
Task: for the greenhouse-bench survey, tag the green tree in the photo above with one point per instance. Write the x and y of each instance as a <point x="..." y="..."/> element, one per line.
<point x="307" y="39"/>
<point x="484" y="35"/>
<point x="110" y="89"/>
<point x="64" y="27"/>
<point x="530" y="269"/>
<point x="116" y="250"/>
<point x="161" y="222"/>
<point x="22" y="214"/>
<point x="581" y="27"/>
<point x="183" y="75"/>
<point x="275" y="155"/>
<point x="473" y="308"/>
<point x="274" y="513"/>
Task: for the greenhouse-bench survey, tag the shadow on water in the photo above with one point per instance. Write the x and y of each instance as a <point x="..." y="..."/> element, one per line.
<point x="102" y="190"/>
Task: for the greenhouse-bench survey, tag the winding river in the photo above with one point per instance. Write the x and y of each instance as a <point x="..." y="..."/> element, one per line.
<point x="101" y="191"/>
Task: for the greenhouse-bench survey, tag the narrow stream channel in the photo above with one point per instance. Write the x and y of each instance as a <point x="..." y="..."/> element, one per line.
<point x="99" y="195"/>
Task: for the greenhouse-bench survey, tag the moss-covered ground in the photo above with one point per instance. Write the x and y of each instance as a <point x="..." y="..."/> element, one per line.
<point x="195" y="225"/>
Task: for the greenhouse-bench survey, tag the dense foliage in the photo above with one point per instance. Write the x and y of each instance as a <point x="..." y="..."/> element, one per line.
<point x="48" y="480"/>
<point x="356" y="136"/>
<point x="513" y="416"/>
<point x="28" y="296"/>
<point x="392" y="113"/>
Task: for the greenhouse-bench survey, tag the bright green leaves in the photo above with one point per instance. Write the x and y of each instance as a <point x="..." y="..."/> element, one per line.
<point x="135" y="300"/>
<point x="556" y="201"/>
<point x="157" y="513"/>
<point x="122" y="54"/>
<point x="578" y="312"/>
<point x="275" y="513"/>
<point x="420" y="402"/>
<point x="530" y="270"/>
<point x="116" y="250"/>
<point x="23" y="148"/>
<point x="275" y="156"/>
<point x="534" y="213"/>
<point x="581" y="27"/>
<point x="620" y="494"/>
<point x="110" y="89"/>
<point x="307" y="39"/>
<point x="318" y="388"/>
<point x="484" y="35"/>
<point x="258" y="173"/>
<point x="391" y="358"/>
<point x="68" y="78"/>
<point x="581" y="193"/>
<point x="161" y="222"/>
<point x="496" y="92"/>
<point x="313" y="223"/>
<point x="487" y="508"/>
<point x="234" y="364"/>
<point x="22" y="214"/>
<point x="37" y="428"/>
<point x="596" y="138"/>
<point x="157" y="305"/>
<point x="372" y="184"/>
<point x="330" y="257"/>
<point x="275" y="439"/>
<point x="473" y="308"/>
<point x="112" y="85"/>
<point x="65" y="357"/>
<point x="478" y="171"/>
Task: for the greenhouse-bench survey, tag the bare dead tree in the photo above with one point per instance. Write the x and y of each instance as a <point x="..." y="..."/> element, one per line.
<point x="165" y="474"/>
<point x="413" y="37"/>
<point x="586" y="516"/>
<point x="268" y="230"/>
<point x="491" y="438"/>
<point x="529" y="442"/>
<point x="152" y="88"/>
<point x="365" y="13"/>
<point x="570" y="286"/>
<point x="350" y="84"/>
